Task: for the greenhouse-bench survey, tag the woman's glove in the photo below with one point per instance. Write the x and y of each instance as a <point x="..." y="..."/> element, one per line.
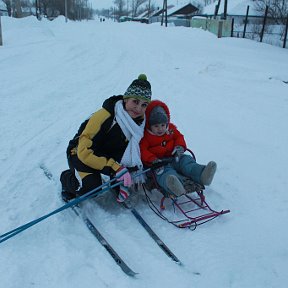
<point x="123" y="194"/>
<point x="123" y="174"/>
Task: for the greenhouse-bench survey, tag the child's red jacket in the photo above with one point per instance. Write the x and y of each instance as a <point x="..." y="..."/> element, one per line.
<point x="157" y="147"/>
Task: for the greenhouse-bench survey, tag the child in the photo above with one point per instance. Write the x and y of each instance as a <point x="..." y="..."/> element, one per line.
<point x="163" y="140"/>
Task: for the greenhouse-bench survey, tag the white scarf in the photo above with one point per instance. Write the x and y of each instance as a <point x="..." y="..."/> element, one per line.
<point x="134" y="134"/>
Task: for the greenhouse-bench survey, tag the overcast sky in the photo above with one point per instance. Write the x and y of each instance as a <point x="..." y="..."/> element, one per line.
<point x="99" y="4"/>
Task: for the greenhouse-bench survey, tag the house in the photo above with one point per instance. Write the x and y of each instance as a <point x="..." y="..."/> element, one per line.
<point x="236" y="10"/>
<point x="143" y="18"/>
<point x="3" y="9"/>
<point x="179" y="15"/>
<point x="186" y="10"/>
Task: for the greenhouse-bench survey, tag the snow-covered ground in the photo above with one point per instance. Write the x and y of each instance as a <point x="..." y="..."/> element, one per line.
<point x="228" y="98"/>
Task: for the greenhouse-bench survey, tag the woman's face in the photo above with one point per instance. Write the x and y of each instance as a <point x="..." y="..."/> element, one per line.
<point x="135" y="107"/>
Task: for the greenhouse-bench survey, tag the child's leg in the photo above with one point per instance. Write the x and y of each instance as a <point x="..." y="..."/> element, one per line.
<point x="189" y="167"/>
<point x="169" y="181"/>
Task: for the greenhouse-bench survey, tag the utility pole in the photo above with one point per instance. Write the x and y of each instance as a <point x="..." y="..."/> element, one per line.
<point x="1" y="42"/>
<point x="217" y="9"/>
<point x="66" y="11"/>
<point x="149" y="7"/>
<point x="164" y="13"/>
<point x="225" y="9"/>
<point x="166" y="19"/>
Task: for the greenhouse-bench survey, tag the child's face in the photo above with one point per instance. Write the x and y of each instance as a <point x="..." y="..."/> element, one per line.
<point x="159" y="129"/>
<point x="135" y="107"/>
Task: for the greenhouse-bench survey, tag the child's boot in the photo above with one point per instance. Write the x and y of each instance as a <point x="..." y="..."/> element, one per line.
<point x="208" y="173"/>
<point x="175" y="185"/>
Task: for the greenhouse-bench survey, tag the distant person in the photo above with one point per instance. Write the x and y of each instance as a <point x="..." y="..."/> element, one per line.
<point x="108" y="142"/>
<point x="161" y="141"/>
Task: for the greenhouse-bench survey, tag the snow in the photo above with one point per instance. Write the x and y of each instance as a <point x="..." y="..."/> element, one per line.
<point x="228" y="98"/>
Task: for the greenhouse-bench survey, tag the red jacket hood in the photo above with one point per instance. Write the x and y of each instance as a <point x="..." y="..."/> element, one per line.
<point x="150" y="107"/>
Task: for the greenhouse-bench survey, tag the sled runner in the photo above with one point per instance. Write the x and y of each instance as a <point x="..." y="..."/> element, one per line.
<point x="189" y="210"/>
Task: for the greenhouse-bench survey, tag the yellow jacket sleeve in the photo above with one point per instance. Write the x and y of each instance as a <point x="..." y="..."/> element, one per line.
<point x="84" y="151"/>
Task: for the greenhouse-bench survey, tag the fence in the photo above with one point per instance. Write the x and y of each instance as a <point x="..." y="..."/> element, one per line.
<point x="171" y="20"/>
<point x="261" y="28"/>
<point x="221" y="28"/>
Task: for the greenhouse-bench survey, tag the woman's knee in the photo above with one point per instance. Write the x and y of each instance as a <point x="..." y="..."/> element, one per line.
<point x="90" y="182"/>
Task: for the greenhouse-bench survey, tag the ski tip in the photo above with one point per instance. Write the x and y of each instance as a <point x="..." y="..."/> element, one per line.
<point x="179" y="262"/>
<point x="131" y="273"/>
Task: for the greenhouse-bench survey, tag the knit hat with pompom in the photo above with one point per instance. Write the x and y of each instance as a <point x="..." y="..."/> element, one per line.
<point x="140" y="89"/>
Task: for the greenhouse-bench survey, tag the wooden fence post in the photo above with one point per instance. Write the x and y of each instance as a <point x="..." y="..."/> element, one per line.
<point x="264" y="23"/>
<point x="246" y="21"/>
<point x="232" y="27"/>
<point x="285" y="34"/>
<point x="220" y="28"/>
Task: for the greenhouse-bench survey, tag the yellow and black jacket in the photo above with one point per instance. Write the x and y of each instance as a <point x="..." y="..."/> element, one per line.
<point x="99" y="143"/>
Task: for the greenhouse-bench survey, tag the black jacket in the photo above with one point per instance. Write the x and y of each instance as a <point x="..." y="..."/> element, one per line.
<point x="99" y="143"/>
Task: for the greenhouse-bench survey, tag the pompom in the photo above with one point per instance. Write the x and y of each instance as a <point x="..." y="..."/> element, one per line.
<point x="142" y="77"/>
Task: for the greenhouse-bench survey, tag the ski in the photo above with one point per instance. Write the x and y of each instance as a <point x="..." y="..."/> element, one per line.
<point x="125" y="268"/>
<point x="119" y="261"/>
<point x="154" y="236"/>
<point x="95" y="232"/>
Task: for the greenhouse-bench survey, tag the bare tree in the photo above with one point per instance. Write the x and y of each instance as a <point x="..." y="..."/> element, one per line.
<point x="13" y="8"/>
<point x="207" y="2"/>
<point x="119" y="9"/>
<point x="18" y="9"/>
<point x="77" y="9"/>
<point x="149" y="6"/>
<point x="277" y="9"/>
<point x="136" y="5"/>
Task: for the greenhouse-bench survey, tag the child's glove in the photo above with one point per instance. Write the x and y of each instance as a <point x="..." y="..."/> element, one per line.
<point x="123" y="174"/>
<point x="158" y="165"/>
<point x="178" y="152"/>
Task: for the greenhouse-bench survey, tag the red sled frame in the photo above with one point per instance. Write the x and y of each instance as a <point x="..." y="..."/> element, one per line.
<point x="192" y="207"/>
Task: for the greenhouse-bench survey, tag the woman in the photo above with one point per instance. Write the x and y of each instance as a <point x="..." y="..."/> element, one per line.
<point x="108" y="142"/>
